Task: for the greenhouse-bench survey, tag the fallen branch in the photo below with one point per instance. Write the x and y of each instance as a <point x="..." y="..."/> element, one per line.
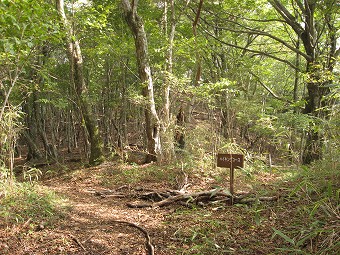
<point x="105" y="194"/>
<point x="149" y="194"/>
<point x="207" y="195"/>
<point x="138" y="205"/>
<point x="190" y="196"/>
<point x="77" y="242"/>
<point x="26" y="223"/>
<point x="149" y="246"/>
<point x="211" y="195"/>
<point x="160" y="198"/>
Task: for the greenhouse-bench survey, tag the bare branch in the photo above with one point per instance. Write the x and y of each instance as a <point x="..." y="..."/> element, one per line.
<point x="233" y="16"/>
<point x="269" y="89"/>
<point x="253" y="51"/>
<point x="263" y="33"/>
<point x="288" y="17"/>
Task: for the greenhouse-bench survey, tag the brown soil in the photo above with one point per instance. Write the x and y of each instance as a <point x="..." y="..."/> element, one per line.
<point x="91" y="228"/>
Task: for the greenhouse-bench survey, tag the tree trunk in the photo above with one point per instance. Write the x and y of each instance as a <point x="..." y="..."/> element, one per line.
<point x="78" y="80"/>
<point x="167" y="132"/>
<point x="152" y="121"/>
<point x="317" y="107"/>
<point x="297" y="75"/>
<point x="31" y="135"/>
<point x="180" y="122"/>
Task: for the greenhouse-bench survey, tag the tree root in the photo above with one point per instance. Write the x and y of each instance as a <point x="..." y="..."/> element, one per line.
<point x="149" y="246"/>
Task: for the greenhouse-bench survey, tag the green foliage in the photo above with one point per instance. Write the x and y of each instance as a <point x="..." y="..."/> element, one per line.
<point x="24" y="25"/>
<point x="211" y="93"/>
<point x="199" y="147"/>
<point x="20" y="201"/>
<point x="133" y="174"/>
<point x="317" y="194"/>
<point x="10" y="128"/>
<point x="205" y="235"/>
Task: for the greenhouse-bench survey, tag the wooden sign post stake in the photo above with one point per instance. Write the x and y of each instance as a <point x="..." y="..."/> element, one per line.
<point x="230" y="161"/>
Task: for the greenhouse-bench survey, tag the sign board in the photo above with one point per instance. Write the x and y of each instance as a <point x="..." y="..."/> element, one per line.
<point x="230" y="160"/>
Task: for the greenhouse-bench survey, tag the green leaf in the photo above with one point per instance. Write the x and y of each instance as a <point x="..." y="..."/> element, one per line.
<point x="257" y="217"/>
<point x="303" y="240"/>
<point x="194" y="236"/>
<point x="314" y="210"/>
<point x="285" y="237"/>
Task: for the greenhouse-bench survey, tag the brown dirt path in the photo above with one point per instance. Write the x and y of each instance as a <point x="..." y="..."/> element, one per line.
<point x="92" y="219"/>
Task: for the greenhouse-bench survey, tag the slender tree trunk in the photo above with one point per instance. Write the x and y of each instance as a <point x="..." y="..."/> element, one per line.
<point x="198" y="72"/>
<point x="31" y="134"/>
<point x="124" y="105"/>
<point x="180" y="122"/>
<point x="169" y="62"/>
<point x="152" y="122"/>
<point x="78" y="80"/>
<point x="297" y="74"/>
<point x="167" y="132"/>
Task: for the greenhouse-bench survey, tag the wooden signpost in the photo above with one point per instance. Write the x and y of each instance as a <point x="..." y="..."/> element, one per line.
<point x="231" y="161"/>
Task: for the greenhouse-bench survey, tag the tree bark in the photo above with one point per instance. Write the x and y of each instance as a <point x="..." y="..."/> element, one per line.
<point x="152" y="121"/>
<point x="180" y="126"/>
<point x="198" y="72"/>
<point x="78" y="80"/>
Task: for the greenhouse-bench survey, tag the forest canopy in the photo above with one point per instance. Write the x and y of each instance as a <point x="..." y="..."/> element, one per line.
<point x="98" y="76"/>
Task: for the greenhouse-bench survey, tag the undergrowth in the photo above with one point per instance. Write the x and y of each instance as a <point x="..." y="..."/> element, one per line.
<point x="133" y="173"/>
<point x="315" y="226"/>
<point x="305" y="219"/>
<point x="22" y="201"/>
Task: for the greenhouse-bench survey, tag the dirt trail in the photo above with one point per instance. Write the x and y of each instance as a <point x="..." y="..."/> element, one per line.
<point x="92" y="220"/>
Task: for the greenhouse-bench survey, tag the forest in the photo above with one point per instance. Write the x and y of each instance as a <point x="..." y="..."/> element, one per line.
<point x="113" y="115"/>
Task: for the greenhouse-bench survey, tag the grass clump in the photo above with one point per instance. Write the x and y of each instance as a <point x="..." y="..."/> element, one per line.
<point x="22" y="201"/>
